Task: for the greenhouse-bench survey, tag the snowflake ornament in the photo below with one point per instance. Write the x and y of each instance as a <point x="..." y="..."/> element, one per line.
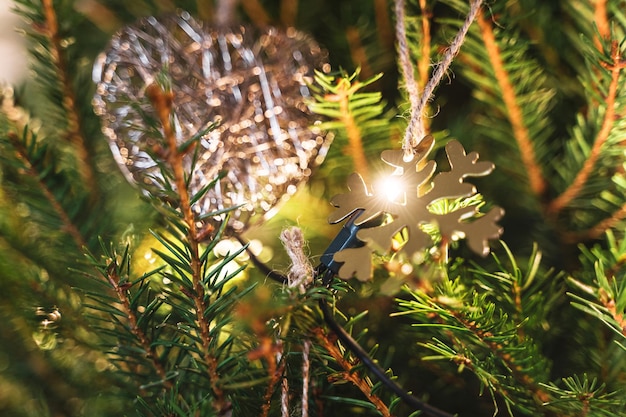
<point x="378" y="217"/>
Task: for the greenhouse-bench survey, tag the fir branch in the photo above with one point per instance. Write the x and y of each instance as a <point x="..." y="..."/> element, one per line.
<point x="355" y="139"/>
<point x="269" y="351"/>
<point x="514" y="111"/>
<point x="349" y="373"/>
<point x="584" y="397"/>
<point x="615" y="68"/>
<point x="600" y="229"/>
<point x="74" y="125"/>
<point x="31" y="170"/>
<point x="162" y="102"/>
<point x="121" y="289"/>
<point x="601" y="20"/>
<point x="487" y="339"/>
<point x="484" y="327"/>
<point x="353" y="111"/>
<point x="608" y="287"/>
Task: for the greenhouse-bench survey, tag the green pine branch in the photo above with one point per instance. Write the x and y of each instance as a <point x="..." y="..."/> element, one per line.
<point x="602" y="294"/>
<point x="491" y="324"/>
<point x="356" y="115"/>
<point x="515" y="100"/>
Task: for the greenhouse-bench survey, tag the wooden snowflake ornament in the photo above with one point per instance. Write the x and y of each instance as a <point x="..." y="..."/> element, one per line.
<point x="407" y="207"/>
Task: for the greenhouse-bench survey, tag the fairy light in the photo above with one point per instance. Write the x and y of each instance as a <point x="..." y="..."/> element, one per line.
<point x="392" y="188"/>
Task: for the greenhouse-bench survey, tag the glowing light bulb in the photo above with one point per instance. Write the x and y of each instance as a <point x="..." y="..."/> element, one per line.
<point x="392" y="188"/>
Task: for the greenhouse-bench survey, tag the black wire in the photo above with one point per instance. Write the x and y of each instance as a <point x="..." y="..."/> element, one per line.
<point x="365" y="358"/>
<point x="354" y="346"/>
<point x="270" y="273"/>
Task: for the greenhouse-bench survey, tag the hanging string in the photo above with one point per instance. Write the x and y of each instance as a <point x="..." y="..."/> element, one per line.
<point x="406" y="68"/>
<point x="225" y="12"/>
<point x="301" y="272"/>
<point x="306" y="368"/>
<point x="284" y="398"/>
<point x="416" y="130"/>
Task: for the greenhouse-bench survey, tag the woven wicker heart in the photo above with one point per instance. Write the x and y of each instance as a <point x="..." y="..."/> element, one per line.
<point x="254" y="83"/>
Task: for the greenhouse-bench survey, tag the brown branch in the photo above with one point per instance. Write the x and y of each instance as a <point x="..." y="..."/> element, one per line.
<point x="509" y="361"/>
<point x="355" y="142"/>
<point x="424" y="63"/>
<point x="599" y="229"/>
<point x="255" y="11"/>
<point x="605" y="130"/>
<point x="120" y="290"/>
<point x="74" y="126"/>
<point x="289" y="12"/>
<point x="515" y="115"/>
<point x="609" y="303"/>
<point x="357" y="51"/>
<point x="162" y="102"/>
<point x="383" y="24"/>
<point x="32" y="172"/>
<point x="269" y="351"/>
<point x="600" y="18"/>
<point x="349" y="374"/>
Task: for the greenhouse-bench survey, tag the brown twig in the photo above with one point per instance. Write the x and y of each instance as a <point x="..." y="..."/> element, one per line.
<point x="509" y="361"/>
<point x="254" y="9"/>
<point x="349" y="374"/>
<point x="121" y="292"/>
<point x="270" y="352"/>
<point x="605" y="130"/>
<point x="289" y="12"/>
<point x="162" y="102"/>
<point x="383" y="24"/>
<point x="424" y="62"/>
<point x="74" y="126"/>
<point x="516" y="118"/>
<point x="601" y="20"/>
<point x="599" y="229"/>
<point x="357" y="51"/>
<point x="355" y="140"/>
<point x="609" y="303"/>
<point x="32" y="172"/>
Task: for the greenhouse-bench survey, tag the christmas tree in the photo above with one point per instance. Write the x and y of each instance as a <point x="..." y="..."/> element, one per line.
<point x="194" y="222"/>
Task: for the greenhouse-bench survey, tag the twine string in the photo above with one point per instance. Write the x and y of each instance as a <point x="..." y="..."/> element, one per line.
<point x="306" y="370"/>
<point x="416" y="130"/>
<point x="301" y="272"/>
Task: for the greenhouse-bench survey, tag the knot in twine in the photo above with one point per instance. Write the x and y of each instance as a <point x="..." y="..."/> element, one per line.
<point x="301" y="272"/>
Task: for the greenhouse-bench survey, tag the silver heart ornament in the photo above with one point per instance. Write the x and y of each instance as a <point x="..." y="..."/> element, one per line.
<point x="253" y="83"/>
